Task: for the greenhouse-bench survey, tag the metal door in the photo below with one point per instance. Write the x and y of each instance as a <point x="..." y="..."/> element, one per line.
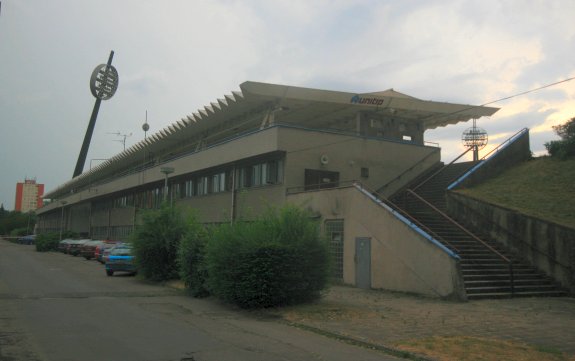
<point x="363" y="262"/>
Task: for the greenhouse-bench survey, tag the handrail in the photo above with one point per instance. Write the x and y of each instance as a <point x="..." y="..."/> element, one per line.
<point x="441" y="170"/>
<point x="405" y="171"/>
<point x="395" y="207"/>
<point x="318" y="186"/>
<point x="506" y="141"/>
<point x="408" y="216"/>
<point x="452" y="221"/>
<point x="485" y="159"/>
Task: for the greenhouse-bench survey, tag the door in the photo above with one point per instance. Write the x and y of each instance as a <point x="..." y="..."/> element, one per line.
<point x="363" y="262"/>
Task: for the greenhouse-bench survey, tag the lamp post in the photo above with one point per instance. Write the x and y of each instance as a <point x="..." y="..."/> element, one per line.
<point x="166" y="171"/>
<point x="63" y="203"/>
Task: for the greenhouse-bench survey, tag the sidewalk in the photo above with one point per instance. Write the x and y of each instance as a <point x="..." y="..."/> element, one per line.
<point x="385" y="318"/>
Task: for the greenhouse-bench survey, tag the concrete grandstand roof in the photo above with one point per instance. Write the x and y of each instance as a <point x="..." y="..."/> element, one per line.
<point x="309" y="106"/>
<point x="247" y="109"/>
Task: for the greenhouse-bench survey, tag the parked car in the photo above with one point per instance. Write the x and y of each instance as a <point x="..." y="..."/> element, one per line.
<point x="120" y="259"/>
<point x="103" y="248"/>
<point x="88" y="249"/>
<point x="74" y="246"/>
<point x="63" y="245"/>
<point x="29" y="239"/>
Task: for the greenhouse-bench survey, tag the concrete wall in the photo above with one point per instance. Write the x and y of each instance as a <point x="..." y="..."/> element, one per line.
<point x="508" y="155"/>
<point x="347" y="155"/>
<point x="241" y="148"/>
<point x="303" y="149"/>
<point x="401" y="258"/>
<point x="79" y="218"/>
<point x="548" y="246"/>
<point x="249" y="203"/>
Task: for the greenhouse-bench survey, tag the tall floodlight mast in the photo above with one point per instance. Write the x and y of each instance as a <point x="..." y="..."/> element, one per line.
<point x="103" y="85"/>
<point x="475" y="138"/>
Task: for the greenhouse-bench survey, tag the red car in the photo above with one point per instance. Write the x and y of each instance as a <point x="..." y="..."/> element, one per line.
<point x="100" y="249"/>
<point x="88" y="249"/>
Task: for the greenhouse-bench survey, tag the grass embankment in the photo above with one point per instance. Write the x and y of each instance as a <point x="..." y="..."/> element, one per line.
<point x="464" y="348"/>
<point x="543" y="188"/>
<point x="440" y="348"/>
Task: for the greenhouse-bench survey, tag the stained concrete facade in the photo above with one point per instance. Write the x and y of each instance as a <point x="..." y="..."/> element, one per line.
<point x="402" y="258"/>
<point x="271" y="144"/>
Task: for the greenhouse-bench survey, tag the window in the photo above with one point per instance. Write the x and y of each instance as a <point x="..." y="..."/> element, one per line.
<point x="245" y="177"/>
<point x="219" y="182"/>
<point x="364" y="172"/>
<point x="320" y="179"/>
<point x="257" y="175"/>
<point x="176" y="191"/>
<point x="188" y="188"/>
<point x="261" y="174"/>
<point x="201" y="186"/>
<point x="334" y="233"/>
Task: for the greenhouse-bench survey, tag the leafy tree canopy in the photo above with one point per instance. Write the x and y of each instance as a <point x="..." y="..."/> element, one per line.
<point x="564" y="148"/>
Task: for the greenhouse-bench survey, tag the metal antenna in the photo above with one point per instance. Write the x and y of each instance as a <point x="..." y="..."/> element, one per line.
<point x="123" y="141"/>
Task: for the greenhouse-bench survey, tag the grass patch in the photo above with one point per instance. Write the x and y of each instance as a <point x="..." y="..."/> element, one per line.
<point x="324" y="312"/>
<point x="542" y="188"/>
<point x="464" y="348"/>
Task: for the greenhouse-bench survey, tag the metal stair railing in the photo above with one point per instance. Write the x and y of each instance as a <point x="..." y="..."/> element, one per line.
<point x="383" y="187"/>
<point x="509" y="140"/>
<point x="405" y="214"/>
<point x="440" y="170"/>
<point x="456" y="224"/>
<point x="484" y="159"/>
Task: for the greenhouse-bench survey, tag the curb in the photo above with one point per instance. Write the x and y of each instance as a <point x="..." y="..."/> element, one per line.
<point x="353" y="341"/>
<point x="177" y="285"/>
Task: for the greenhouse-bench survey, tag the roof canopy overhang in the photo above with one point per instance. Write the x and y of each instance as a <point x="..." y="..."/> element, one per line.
<point x="258" y="102"/>
<point x="317" y="107"/>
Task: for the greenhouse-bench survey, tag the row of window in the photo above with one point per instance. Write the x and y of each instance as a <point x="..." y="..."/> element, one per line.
<point x="254" y="175"/>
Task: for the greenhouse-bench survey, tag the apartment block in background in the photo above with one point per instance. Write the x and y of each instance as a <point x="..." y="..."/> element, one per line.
<point x="28" y="196"/>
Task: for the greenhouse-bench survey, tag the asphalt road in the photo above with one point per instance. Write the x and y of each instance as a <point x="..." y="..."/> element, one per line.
<point x="59" y="307"/>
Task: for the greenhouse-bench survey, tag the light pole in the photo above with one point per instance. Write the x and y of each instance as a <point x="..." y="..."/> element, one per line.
<point x="166" y="171"/>
<point x="145" y="128"/>
<point x="63" y="203"/>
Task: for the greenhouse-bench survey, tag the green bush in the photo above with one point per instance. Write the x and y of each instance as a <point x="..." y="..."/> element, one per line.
<point x="279" y="259"/>
<point x="19" y="232"/>
<point x="47" y="242"/>
<point x="156" y="243"/>
<point x="191" y="258"/>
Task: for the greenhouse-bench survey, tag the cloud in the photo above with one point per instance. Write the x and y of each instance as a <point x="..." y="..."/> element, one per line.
<point x="175" y="57"/>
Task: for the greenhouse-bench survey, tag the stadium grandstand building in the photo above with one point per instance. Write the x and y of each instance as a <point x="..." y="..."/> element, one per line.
<point x="268" y="145"/>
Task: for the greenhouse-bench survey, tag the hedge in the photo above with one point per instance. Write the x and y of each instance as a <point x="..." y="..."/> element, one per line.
<point x="156" y="243"/>
<point x="191" y="258"/>
<point x="279" y="259"/>
<point x="47" y="242"/>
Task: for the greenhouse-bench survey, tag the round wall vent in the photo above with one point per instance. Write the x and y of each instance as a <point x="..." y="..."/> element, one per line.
<point x="324" y="159"/>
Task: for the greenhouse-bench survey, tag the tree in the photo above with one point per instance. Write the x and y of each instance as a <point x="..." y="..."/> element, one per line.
<point x="565" y="147"/>
<point x="156" y="242"/>
<point x="12" y="222"/>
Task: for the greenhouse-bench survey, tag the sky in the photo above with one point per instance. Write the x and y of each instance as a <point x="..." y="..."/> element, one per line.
<point x="176" y="56"/>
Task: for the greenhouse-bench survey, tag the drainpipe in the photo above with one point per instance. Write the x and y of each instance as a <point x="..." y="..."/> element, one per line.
<point x="233" y="210"/>
<point x="108" y="235"/>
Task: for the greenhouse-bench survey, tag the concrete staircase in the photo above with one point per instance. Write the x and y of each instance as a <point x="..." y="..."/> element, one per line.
<point x="488" y="268"/>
